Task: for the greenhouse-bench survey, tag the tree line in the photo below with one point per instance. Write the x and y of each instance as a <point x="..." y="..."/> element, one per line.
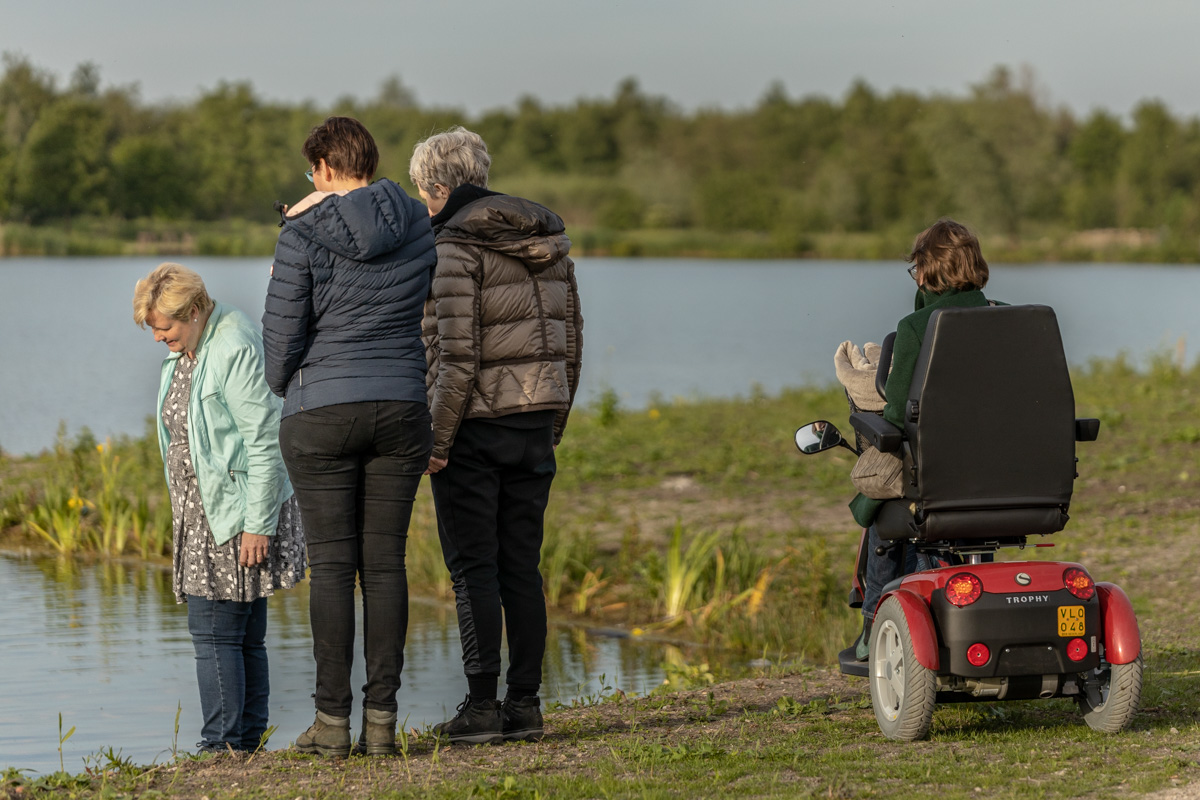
<point x="996" y="157"/>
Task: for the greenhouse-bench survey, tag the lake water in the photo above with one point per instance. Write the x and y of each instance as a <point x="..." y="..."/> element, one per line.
<point x="107" y="647"/>
<point x="671" y="327"/>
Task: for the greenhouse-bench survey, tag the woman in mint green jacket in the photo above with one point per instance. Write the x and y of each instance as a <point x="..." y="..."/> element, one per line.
<point x="237" y="533"/>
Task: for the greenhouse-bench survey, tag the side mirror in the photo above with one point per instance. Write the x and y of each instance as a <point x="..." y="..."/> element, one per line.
<point x="819" y="436"/>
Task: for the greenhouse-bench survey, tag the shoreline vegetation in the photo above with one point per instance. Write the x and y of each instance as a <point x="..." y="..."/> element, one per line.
<point x="91" y="169"/>
<point x="243" y="238"/>
<point x="698" y="520"/>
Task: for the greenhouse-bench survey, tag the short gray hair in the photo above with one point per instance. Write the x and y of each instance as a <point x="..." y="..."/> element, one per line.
<point x="451" y="158"/>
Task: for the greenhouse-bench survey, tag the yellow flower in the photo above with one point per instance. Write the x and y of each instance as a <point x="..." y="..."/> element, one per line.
<point x="654" y="413"/>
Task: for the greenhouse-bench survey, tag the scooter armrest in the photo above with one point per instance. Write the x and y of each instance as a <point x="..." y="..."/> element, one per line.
<point x="879" y="433"/>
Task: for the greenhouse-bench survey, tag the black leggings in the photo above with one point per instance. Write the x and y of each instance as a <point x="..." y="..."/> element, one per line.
<point x="355" y="468"/>
<point x="491" y="501"/>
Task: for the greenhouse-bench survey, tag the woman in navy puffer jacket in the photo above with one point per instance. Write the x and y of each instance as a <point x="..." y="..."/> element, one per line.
<point x="342" y="336"/>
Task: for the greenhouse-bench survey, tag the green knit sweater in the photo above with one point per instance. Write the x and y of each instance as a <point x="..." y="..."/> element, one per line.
<point x="910" y="333"/>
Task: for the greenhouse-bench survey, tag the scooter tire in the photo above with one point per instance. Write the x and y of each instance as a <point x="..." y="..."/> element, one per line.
<point x="1110" y="703"/>
<point x="903" y="692"/>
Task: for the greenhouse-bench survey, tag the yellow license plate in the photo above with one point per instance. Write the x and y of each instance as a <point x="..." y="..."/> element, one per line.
<point x="1070" y="621"/>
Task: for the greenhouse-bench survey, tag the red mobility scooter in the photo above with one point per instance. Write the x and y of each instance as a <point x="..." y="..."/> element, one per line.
<point x="988" y="448"/>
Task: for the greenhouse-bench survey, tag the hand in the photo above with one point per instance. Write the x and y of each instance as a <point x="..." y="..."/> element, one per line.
<point x="436" y="465"/>
<point x="254" y="549"/>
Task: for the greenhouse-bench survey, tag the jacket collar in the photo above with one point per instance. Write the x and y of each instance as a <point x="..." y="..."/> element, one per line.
<point x="926" y="298"/>
<point x="459" y="197"/>
<point x="210" y="328"/>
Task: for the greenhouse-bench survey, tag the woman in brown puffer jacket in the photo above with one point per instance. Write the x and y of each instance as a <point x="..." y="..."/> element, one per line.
<point x="502" y="333"/>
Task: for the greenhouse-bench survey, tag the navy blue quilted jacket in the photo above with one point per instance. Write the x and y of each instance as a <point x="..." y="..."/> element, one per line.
<point x="344" y="305"/>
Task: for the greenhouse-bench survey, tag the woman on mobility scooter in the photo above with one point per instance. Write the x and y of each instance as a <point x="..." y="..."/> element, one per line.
<point x="950" y="272"/>
<point x="981" y="415"/>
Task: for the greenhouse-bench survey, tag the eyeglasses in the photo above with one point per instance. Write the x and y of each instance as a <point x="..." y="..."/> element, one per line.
<point x="912" y="271"/>
<point x="309" y="176"/>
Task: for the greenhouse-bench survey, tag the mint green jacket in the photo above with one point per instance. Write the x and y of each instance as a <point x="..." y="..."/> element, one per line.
<point x="233" y="428"/>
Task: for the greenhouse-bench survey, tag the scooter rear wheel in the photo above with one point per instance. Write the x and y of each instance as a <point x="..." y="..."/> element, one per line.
<point x="1112" y="695"/>
<point x="903" y="693"/>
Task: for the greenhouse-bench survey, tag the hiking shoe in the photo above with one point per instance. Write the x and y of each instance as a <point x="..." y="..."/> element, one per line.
<point x="327" y="736"/>
<point x="378" y="737"/>
<point x="477" y="722"/>
<point x="521" y="720"/>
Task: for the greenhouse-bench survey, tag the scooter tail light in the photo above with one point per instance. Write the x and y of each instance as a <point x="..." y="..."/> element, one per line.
<point x="963" y="589"/>
<point x="1079" y="583"/>
<point x="1077" y="649"/>
<point x="978" y="654"/>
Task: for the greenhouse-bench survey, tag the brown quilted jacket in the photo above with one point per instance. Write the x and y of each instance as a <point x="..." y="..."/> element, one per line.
<point x="502" y="327"/>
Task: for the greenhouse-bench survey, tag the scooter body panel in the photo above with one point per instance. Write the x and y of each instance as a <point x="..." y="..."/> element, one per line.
<point x="920" y="626"/>
<point x="1025" y="618"/>
<point x="1122" y="639"/>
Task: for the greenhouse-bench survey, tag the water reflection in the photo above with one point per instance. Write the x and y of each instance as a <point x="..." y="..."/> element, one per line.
<point x="106" y="646"/>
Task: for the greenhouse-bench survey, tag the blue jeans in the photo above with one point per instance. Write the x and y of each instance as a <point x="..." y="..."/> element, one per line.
<point x="231" y="668"/>
<point x="882" y="570"/>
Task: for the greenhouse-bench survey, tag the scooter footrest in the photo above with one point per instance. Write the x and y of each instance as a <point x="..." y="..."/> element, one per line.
<point x="850" y="665"/>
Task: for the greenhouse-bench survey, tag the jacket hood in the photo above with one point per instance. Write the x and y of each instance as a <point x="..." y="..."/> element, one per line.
<point x="514" y="226"/>
<point x="362" y="223"/>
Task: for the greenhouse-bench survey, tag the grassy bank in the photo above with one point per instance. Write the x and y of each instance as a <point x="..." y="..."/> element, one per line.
<point x="808" y="734"/>
<point x="700" y="520"/>
<point x="149" y="237"/>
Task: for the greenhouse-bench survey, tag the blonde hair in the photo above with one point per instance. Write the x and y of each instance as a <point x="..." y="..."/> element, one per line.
<point x="949" y="257"/>
<point x="172" y="290"/>
<point x="451" y="158"/>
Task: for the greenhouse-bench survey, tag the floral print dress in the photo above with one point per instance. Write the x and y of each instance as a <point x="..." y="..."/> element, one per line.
<point x="202" y="567"/>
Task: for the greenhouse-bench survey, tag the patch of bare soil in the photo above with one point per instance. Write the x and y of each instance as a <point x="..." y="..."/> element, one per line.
<point x="768" y="518"/>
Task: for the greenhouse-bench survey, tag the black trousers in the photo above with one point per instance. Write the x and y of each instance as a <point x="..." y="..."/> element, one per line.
<point x="491" y="502"/>
<point x="355" y="468"/>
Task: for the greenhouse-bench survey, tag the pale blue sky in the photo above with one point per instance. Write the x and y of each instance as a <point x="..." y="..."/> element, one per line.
<point x="478" y="54"/>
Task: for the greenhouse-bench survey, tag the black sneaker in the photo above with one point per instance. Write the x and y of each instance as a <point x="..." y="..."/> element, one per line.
<point x="522" y="719"/>
<point x="477" y="722"/>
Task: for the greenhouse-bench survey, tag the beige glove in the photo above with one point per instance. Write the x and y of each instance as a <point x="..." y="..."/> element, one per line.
<point x="856" y="371"/>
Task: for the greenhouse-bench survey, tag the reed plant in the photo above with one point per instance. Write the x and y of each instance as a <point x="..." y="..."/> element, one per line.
<point x="568" y="556"/>
<point x="591" y="583"/>
<point x="151" y="527"/>
<point x="556" y="561"/>
<point x="115" y="512"/>
<point x="424" y="563"/>
<point x="680" y="580"/>
<point x="100" y="497"/>
<point x="58" y="520"/>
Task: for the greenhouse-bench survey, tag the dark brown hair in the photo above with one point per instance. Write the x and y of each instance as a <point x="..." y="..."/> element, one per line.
<point x="346" y="145"/>
<point x="948" y="255"/>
